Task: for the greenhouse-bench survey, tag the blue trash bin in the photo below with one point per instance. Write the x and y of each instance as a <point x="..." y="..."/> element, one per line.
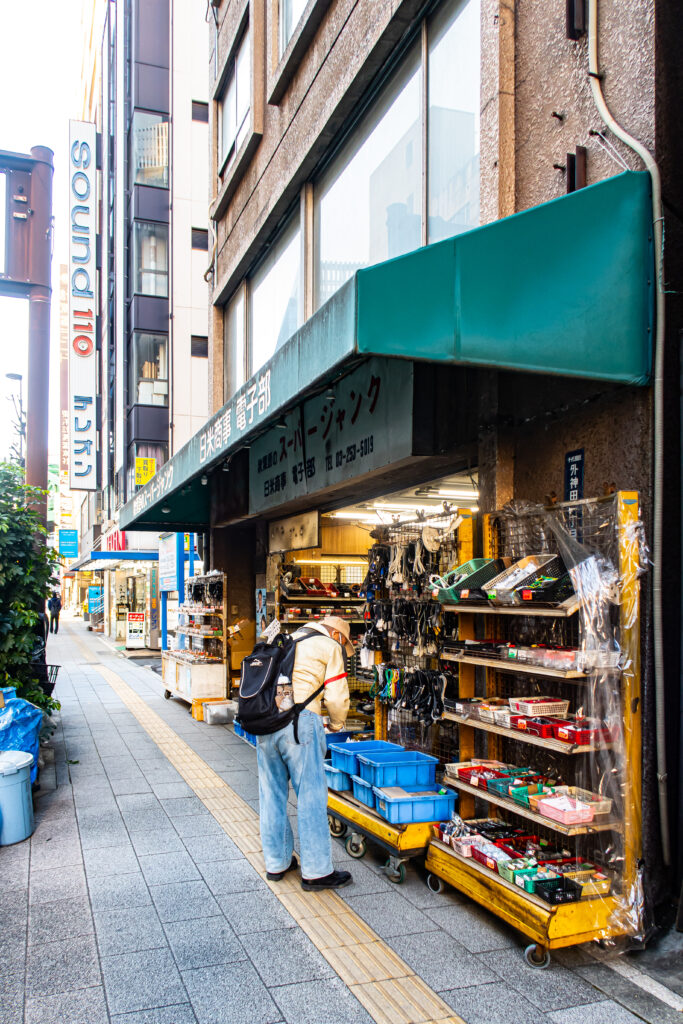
<point x="16" y="803"/>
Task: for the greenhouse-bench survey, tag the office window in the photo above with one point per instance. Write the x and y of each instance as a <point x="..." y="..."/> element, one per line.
<point x="235" y="103"/>
<point x="234" y="345"/>
<point x="368" y="205"/>
<point x="147" y="451"/>
<point x="149" y="150"/>
<point x="199" y="347"/>
<point x="148" y="369"/>
<point x="150" y="258"/>
<point x="200" y="111"/>
<point x="200" y="239"/>
<point x="3" y="220"/>
<point x="275" y="298"/>
<point x="453" y="125"/>
<point x="290" y="12"/>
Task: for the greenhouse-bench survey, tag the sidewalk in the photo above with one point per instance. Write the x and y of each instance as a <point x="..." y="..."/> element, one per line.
<point x="139" y="898"/>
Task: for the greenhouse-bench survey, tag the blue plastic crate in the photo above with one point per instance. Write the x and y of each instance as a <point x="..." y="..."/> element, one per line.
<point x="239" y="731"/>
<point x="398" y="768"/>
<point x="345" y="755"/>
<point x="249" y="737"/>
<point x="416" y="805"/>
<point x="337" y="780"/>
<point x="363" y="791"/>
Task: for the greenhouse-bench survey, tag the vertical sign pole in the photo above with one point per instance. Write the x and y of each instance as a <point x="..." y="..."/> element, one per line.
<point x="180" y="575"/>
<point x="164" y="620"/>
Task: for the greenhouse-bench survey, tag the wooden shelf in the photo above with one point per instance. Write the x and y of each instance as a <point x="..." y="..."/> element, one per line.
<point x="512" y="666"/>
<point x="215" y="612"/>
<point x="352" y="622"/>
<point x="585" y="828"/>
<point x="566" y="924"/>
<point x="204" y="636"/>
<point x="524" y="737"/>
<point x="562" y="611"/>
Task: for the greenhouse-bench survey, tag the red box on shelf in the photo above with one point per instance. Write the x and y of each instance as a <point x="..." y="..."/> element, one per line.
<point x="473" y="775"/>
<point x="574" y="732"/>
<point x="543" y="727"/>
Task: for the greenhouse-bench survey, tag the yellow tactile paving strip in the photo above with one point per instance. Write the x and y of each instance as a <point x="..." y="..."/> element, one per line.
<point x="389" y="990"/>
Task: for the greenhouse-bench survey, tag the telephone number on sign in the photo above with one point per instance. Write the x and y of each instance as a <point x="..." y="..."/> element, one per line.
<point x="361" y="450"/>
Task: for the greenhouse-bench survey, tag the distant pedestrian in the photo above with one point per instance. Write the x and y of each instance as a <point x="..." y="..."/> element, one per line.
<point x="319" y="660"/>
<point x="54" y="606"/>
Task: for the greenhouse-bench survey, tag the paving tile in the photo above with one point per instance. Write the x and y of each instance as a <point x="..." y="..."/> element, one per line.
<point x="56" y="854"/>
<point x="138" y="801"/>
<point x="623" y="991"/>
<point x="97" y="837"/>
<point x="285" y="962"/>
<point x="223" y="876"/>
<point x="142" y="819"/>
<point x="476" y="929"/>
<point x="494" y="1004"/>
<point x="110" y="860"/>
<point x="86" y="1006"/>
<point x="171" y="790"/>
<point x="118" y="892"/>
<point x="389" y="914"/>
<point x="165" y="840"/>
<point x="442" y="964"/>
<point x="366" y="881"/>
<point x="50" y="829"/>
<point x="208" y="848"/>
<point x="15" y="871"/>
<point x="551" y="989"/>
<point x="48" y="886"/>
<point x="179" y="1014"/>
<point x="313" y="1002"/>
<point x="128" y="931"/>
<point x="65" y="919"/>
<point x="142" y="981"/>
<point x="160" y="868"/>
<point x="130" y="785"/>
<point x="607" y="1012"/>
<point x="183" y="901"/>
<point x="203" y="942"/>
<point x="256" y="911"/>
<point x="62" y="966"/>
<point x="230" y="994"/>
<point x="181" y="807"/>
<point x="242" y="782"/>
<point x="197" y="825"/>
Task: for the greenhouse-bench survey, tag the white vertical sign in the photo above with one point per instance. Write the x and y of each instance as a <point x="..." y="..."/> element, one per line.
<point x="82" y="307"/>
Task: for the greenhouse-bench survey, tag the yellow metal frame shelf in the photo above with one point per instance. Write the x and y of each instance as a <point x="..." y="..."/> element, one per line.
<point x="512" y="666"/>
<point x="551" y="927"/>
<point x="525" y="737"/>
<point x="403" y="840"/>
<point x="585" y="828"/>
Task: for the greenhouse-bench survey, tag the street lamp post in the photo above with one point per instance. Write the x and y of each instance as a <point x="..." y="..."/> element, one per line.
<point x="22" y="422"/>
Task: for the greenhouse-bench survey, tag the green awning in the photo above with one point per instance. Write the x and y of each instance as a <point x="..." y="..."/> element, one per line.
<point x="563" y="288"/>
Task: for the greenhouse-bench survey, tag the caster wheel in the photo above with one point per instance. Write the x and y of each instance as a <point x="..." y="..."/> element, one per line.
<point x="434" y="883"/>
<point x="532" y="958"/>
<point x="337" y="828"/>
<point x="398" y="877"/>
<point x="167" y="694"/>
<point x="355" y="847"/>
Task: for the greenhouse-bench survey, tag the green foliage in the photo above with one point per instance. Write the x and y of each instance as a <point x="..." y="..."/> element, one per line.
<point x="27" y="572"/>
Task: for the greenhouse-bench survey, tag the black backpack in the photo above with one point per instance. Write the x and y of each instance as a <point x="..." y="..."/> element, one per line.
<point x="262" y="670"/>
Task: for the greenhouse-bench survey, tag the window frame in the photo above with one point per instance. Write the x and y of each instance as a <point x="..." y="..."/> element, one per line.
<point x="134" y="376"/>
<point x="163" y="119"/>
<point x="137" y="270"/>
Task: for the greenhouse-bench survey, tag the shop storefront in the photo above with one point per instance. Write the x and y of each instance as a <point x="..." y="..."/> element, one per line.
<point x="127" y="582"/>
<point x="453" y="411"/>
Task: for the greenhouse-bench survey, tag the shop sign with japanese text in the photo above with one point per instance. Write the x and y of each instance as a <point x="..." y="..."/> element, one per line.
<point x="168" y="579"/>
<point x="363" y="423"/>
<point x="68" y="543"/>
<point x="145" y="469"/>
<point x="82" y="307"/>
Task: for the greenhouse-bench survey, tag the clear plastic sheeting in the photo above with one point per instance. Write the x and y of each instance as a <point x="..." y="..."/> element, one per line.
<point x="597" y="781"/>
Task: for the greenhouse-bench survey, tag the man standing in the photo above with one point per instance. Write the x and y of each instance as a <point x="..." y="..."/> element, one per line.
<point x="319" y="659"/>
<point x="55" y="606"/>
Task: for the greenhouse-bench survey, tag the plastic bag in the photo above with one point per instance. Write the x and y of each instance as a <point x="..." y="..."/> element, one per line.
<point x="20" y="725"/>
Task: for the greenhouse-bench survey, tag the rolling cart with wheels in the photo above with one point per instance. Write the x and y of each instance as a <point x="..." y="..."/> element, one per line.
<point x="350" y="820"/>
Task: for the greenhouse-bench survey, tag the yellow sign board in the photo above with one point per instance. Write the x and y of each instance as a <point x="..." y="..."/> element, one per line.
<point x="144" y="470"/>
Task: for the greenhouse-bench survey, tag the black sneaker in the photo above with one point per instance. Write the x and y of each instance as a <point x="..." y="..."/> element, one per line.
<point x="277" y="876"/>
<point x="337" y="880"/>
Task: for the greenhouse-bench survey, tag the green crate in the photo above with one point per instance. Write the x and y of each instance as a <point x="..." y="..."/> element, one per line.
<point x="460" y="577"/>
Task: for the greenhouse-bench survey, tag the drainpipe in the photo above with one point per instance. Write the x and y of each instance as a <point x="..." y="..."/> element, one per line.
<point x="657" y="224"/>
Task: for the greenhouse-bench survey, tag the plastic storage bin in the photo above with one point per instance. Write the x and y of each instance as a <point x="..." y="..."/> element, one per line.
<point x="363" y="791"/>
<point x="413" y="804"/>
<point x="337" y="780"/>
<point x="398" y="768"/>
<point x="16" y="803"/>
<point x="345" y="755"/>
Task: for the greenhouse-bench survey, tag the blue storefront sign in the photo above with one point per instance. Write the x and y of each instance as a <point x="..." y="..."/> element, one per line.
<point x="573" y="475"/>
<point x="68" y="543"/>
<point x="95" y="600"/>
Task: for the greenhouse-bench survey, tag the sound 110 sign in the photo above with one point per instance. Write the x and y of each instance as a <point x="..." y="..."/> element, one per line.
<point x="82" y="307"/>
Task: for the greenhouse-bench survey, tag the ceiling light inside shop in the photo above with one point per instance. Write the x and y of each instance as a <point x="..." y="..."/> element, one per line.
<point x="331" y="561"/>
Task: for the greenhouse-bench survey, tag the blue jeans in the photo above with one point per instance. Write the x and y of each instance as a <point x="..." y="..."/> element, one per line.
<point x="280" y="759"/>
